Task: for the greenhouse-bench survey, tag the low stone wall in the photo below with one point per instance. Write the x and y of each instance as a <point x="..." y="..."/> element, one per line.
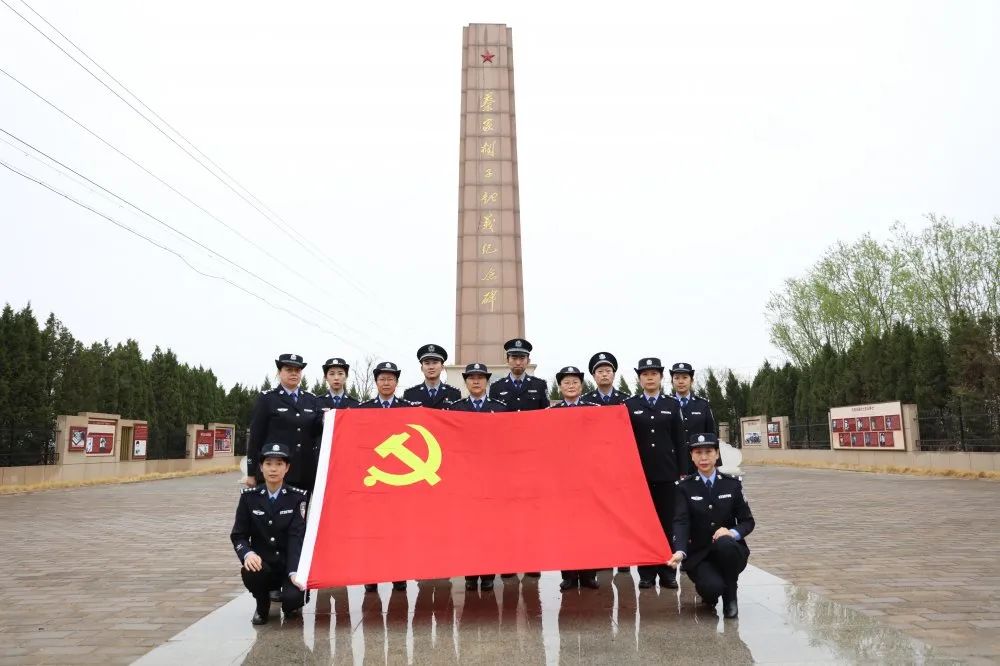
<point x="111" y="469"/>
<point x="927" y="460"/>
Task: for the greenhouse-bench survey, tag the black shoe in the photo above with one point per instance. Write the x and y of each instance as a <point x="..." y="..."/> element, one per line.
<point x="534" y="574"/>
<point x="590" y="583"/>
<point x="646" y="583"/>
<point x="293" y="613"/>
<point x="399" y="586"/>
<point x="471" y="585"/>
<point x="506" y="576"/>
<point x="487" y="585"/>
<point x="568" y="584"/>
<point x="729" y="608"/>
<point x="624" y="570"/>
<point x="371" y="587"/>
<point x="263" y="610"/>
<point x="258" y="618"/>
<point x="670" y="583"/>
<point x="711" y="603"/>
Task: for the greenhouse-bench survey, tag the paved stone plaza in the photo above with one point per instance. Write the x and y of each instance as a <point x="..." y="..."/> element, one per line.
<point x="876" y="568"/>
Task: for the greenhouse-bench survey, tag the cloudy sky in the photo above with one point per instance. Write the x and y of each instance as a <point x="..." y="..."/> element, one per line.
<point x="676" y="164"/>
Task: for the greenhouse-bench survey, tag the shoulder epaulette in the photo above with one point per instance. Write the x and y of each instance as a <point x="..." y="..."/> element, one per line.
<point x="307" y="393"/>
<point x="247" y="489"/>
<point x="297" y="490"/>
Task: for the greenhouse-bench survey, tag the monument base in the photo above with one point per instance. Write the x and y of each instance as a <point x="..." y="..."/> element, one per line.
<point x="453" y="375"/>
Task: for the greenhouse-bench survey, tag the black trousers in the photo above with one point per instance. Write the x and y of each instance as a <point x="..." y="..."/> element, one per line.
<point x="579" y="574"/>
<point x="716" y="575"/>
<point x="481" y="577"/>
<point x="260" y="583"/>
<point x="664" y="496"/>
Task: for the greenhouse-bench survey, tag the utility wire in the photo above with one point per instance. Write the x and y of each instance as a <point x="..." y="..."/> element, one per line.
<point x="171" y="251"/>
<point x="185" y="236"/>
<point x="170" y="187"/>
<point x="259" y="208"/>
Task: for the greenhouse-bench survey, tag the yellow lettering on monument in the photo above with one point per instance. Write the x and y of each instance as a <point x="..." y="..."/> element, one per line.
<point x="490" y="275"/>
<point x="490" y="299"/>
<point x="487" y="102"/>
<point x="487" y="222"/>
<point x="488" y="125"/>
<point x="489" y="148"/>
<point x="489" y="197"/>
<point x="488" y="173"/>
<point x="487" y="248"/>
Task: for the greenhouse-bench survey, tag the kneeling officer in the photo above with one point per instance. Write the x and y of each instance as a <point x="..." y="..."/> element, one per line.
<point x="267" y="535"/>
<point x="711" y="520"/>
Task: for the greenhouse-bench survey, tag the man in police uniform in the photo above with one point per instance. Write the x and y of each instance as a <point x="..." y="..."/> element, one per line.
<point x="386" y="380"/>
<point x="659" y="431"/>
<point x="603" y="366"/>
<point x="289" y="415"/>
<point x="335" y="371"/>
<point x="267" y="535"/>
<point x="710" y="525"/>
<point x="518" y="390"/>
<point x="432" y="392"/>
<point x="570" y="381"/>
<point x="477" y="378"/>
<point x="695" y="410"/>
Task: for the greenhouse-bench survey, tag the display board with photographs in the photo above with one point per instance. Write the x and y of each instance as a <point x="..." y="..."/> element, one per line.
<point x="77" y="438"/>
<point x="877" y="426"/>
<point x="204" y="444"/>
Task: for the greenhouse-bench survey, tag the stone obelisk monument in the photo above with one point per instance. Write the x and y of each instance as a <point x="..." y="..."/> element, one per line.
<point x="489" y="304"/>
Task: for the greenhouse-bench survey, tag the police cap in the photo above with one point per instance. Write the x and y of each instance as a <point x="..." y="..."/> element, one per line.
<point x="517" y="347"/>
<point x="702" y="440"/>
<point x="293" y="360"/>
<point x="476" y="369"/>
<point x="336" y="363"/>
<point x="432" y="351"/>
<point x="602" y="358"/>
<point x="276" y="450"/>
<point x="649" y="363"/>
<point x="681" y="369"/>
<point x="569" y="371"/>
<point x="386" y="366"/>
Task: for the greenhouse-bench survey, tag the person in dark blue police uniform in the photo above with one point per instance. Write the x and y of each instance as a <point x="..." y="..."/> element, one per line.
<point x="695" y="410"/>
<point x="518" y="390"/>
<point x="432" y="392"/>
<point x="710" y="527"/>
<point x="570" y="381"/>
<point x="268" y="532"/>
<point x="386" y="381"/>
<point x="477" y="378"/>
<point x="603" y="366"/>
<point x="335" y="372"/>
<point x="659" y="432"/>
<point x="289" y="415"/>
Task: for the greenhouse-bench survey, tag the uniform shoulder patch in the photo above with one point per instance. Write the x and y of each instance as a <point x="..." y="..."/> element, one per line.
<point x="297" y="490"/>
<point x="247" y="490"/>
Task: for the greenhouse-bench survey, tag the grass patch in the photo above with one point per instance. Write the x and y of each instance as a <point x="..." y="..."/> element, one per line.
<point x="152" y="476"/>
<point x="881" y="469"/>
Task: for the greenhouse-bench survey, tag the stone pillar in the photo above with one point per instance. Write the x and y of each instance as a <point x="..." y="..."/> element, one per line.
<point x="489" y="305"/>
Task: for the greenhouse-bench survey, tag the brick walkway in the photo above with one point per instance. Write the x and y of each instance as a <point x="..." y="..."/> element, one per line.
<point x="103" y="574"/>
<point x="919" y="553"/>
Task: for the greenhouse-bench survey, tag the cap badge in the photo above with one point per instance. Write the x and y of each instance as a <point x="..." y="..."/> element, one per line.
<point x="649" y="361"/>
<point x="275" y="448"/>
<point x="294" y="357"/>
<point x="572" y="369"/>
<point x="701" y="438"/>
<point x="602" y="356"/>
<point x="431" y="348"/>
<point x="517" y="343"/>
<point x="387" y="365"/>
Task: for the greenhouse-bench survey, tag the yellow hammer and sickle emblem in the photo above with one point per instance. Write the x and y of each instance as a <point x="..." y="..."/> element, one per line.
<point x="422" y="470"/>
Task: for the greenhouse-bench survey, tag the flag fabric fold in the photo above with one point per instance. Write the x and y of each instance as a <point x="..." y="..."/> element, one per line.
<point x="420" y="493"/>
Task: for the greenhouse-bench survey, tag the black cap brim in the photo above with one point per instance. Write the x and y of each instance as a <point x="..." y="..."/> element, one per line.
<point x="291" y="364"/>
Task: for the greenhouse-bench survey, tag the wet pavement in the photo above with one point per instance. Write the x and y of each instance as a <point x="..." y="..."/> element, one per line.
<point x="530" y="621"/>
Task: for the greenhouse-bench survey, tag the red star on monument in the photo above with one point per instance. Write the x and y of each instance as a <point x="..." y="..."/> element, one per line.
<point x="487" y="57"/>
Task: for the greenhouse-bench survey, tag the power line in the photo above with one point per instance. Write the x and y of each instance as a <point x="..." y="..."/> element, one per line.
<point x="184" y="235"/>
<point x="164" y="183"/>
<point x="170" y="250"/>
<point x="302" y="243"/>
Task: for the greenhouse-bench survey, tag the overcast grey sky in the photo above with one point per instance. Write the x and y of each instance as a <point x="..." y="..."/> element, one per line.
<point x="677" y="162"/>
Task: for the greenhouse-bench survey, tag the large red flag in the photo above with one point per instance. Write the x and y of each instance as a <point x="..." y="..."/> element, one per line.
<point x="421" y="493"/>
